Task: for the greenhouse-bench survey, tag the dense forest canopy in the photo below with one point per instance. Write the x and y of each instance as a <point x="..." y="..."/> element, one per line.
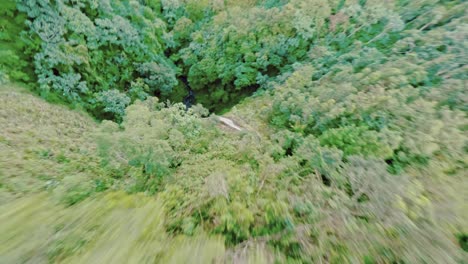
<point x="350" y="143"/>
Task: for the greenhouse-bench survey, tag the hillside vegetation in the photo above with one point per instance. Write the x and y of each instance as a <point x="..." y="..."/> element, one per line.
<point x="348" y="143"/>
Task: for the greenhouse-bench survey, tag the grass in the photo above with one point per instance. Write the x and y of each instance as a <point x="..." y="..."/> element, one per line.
<point x="42" y="145"/>
<point x="113" y="228"/>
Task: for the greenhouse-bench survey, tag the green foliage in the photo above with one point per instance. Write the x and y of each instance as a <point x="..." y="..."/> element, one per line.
<point x="356" y="140"/>
<point x="227" y="50"/>
<point x="159" y="76"/>
<point x="353" y="149"/>
<point x="16" y="47"/>
<point x="113" y="102"/>
<point x="147" y="148"/>
<point x="89" y="51"/>
<point x="230" y="57"/>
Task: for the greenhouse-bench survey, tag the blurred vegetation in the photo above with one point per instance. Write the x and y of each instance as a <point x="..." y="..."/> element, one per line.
<point x="353" y="146"/>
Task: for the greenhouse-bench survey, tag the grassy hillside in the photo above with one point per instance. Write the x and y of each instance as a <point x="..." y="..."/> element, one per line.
<point x="343" y="135"/>
<point x="73" y="190"/>
<point x="49" y="161"/>
<point x="42" y="145"/>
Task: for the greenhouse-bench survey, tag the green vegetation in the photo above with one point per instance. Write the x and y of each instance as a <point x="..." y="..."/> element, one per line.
<point x="352" y="147"/>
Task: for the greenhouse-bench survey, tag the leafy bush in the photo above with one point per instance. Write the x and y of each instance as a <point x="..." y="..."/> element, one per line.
<point x="151" y="142"/>
<point x="113" y="102"/>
